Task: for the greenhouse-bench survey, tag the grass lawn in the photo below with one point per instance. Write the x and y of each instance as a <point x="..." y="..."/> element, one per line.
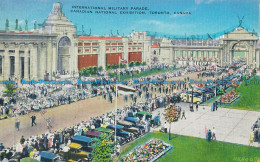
<point x="145" y="73"/>
<point x="189" y="149"/>
<point x="249" y="97"/>
<point x="213" y="99"/>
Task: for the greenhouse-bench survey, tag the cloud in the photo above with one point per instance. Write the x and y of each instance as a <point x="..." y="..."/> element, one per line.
<point x="157" y="23"/>
<point x="21" y="22"/>
<point x="198" y="1"/>
<point x="207" y="1"/>
<point x="165" y="27"/>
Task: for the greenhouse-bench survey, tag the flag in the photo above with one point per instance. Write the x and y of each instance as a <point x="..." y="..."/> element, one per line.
<point x="125" y="90"/>
<point x="122" y="61"/>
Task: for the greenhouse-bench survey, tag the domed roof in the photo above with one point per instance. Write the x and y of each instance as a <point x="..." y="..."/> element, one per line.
<point x="56" y="19"/>
<point x="57" y="16"/>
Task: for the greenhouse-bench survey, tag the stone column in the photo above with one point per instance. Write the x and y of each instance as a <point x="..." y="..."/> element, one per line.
<point x="225" y="54"/>
<point x="174" y="56"/>
<point x="257" y="59"/>
<point x="6" y="67"/>
<point x="75" y="57"/>
<point x="26" y="66"/>
<point x="17" y="62"/>
<point x="171" y="56"/>
<point x="42" y="64"/>
<point x="102" y="54"/>
<point x="34" y="55"/>
<point x="252" y="54"/>
<point x="49" y="58"/>
<point x="55" y="58"/>
<point x="221" y="58"/>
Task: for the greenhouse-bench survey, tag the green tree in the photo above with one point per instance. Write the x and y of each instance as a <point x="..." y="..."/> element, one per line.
<point x="116" y="66"/>
<point x="100" y="68"/>
<point x="108" y="67"/>
<point x="103" y="148"/>
<point x="171" y="115"/>
<point x="10" y="89"/>
<point x="131" y="64"/>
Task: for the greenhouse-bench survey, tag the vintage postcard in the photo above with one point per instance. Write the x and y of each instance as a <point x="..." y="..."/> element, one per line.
<point x="129" y="80"/>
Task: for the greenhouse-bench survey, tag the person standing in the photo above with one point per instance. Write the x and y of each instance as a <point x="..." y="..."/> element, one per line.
<point x="22" y="140"/>
<point x="209" y="135"/>
<point x="183" y="114"/>
<point x="33" y="120"/>
<point x="213" y="133"/>
<point x="165" y="128"/>
<point x="251" y="140"/>
<point x="197" y="106"/>
<point x="17" y="123"/>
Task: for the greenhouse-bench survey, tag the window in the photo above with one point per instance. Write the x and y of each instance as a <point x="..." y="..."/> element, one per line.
<point x="86" y="44"/>
<point x="79" y="50"/>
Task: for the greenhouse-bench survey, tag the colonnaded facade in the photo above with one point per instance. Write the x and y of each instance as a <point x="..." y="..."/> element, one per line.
<point x="56" y="47"/>
<point x="41" y="52"/>
<point x="211" y="51"/>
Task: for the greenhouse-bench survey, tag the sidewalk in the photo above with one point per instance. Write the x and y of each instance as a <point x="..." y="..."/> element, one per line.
<point x="231" y="125"/>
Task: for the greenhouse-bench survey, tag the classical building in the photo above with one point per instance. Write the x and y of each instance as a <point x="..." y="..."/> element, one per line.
<point x="41" y="52"/>
<point x="207" y="51"/>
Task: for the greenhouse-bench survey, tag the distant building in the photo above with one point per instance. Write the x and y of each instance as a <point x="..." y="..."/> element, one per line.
<point x="102" y="51"/>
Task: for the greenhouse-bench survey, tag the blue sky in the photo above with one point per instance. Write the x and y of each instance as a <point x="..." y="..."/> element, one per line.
<point x="207" y="16"/>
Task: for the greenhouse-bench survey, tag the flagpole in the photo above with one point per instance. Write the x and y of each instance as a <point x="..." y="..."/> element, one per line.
<point x="119" y="68"/>
<point x="116" y="101"/>
<point x="115" y="115"/>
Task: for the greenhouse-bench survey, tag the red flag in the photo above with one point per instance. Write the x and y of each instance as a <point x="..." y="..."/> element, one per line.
<point x="122" y="61"/>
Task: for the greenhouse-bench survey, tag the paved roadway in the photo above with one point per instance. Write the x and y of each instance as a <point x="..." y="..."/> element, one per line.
<point x="63" y="116"/>
<point x="231" y="125"/>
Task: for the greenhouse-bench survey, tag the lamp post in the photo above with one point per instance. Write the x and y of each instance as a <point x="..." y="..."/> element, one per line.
<point x="191" y="106"/>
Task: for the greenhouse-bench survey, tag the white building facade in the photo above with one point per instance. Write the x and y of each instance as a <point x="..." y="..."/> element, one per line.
<point x="39" y="54"/>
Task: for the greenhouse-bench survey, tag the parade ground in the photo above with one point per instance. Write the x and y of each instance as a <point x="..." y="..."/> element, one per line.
<point x="231" y="125"/>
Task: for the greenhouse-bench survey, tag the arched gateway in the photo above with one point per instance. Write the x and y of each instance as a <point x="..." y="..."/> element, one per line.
<point x="64" y="48"/>
<point x="241" y="40"/>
